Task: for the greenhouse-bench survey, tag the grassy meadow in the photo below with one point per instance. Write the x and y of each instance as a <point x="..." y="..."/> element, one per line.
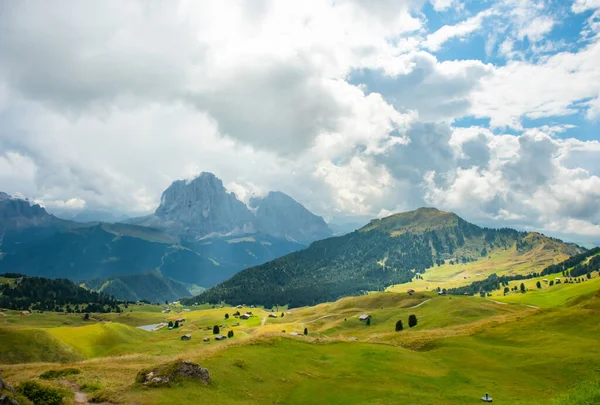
<point x="527" y="348"/>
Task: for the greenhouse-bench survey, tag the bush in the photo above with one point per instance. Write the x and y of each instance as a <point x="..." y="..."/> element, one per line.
<point x="412" y="321"/>
<point x="305" y="331"/>
<point x="226" y="316"/>
<point x="52" y="374"/>
<point x="538" y="284"/>
<point x="41" y="394"/>
<point x="399" y="326"/>
<point x="216" y="330"/>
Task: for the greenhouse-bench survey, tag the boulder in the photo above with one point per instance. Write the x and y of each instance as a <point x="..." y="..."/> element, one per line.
<point x="6" y="400"/>
<point x="4" y="386"/>
<point x="178" y="370"/>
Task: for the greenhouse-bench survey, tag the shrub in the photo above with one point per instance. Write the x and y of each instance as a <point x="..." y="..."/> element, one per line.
<point x="52" y="374"/>
<point x="41" y="394"/>
<point x="216" y="330"/>
<point x="226" y="316"/>
<point x="176" y="325"/>
<point x="538" y="284"/>
<point x="412" y="321"/>
<point x="305" y="331"/>
<point x="240" y="363"/>
<point x="399" y="326"/>
<point x="368" y="321"/>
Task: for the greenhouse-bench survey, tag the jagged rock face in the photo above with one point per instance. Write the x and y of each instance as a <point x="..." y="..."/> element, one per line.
<point x="280" y="215"/>
<point x="203" y="206"/>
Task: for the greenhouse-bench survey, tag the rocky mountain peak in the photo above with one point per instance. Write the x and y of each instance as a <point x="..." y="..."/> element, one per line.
<point x="280" y="215"/>
<point x="203" y="206"/>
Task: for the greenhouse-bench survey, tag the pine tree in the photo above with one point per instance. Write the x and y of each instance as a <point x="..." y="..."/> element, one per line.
<point x="538" y="284"/>
<point x="368" y="321"/>
<point x="226" y="316"/>
<point x="305" y="331"/>
<point x="399" y="326"/>
<point x="170" y="324"/>
<point x="522" y="287"/>
<point x="230" y="334"/>
<point x="176" y="325"/>
<point x="282" y="314"/>
<point x="216" y="330"/>
<point x="412" y="321"/>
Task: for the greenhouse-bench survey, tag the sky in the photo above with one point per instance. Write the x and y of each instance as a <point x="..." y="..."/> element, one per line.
<point x="356" y="109"/>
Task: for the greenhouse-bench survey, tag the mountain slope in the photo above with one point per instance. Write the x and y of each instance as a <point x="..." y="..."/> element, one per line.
<point x="150" y="286"/>
<point x="384" y="252"/>
<point x="110" y="250"/>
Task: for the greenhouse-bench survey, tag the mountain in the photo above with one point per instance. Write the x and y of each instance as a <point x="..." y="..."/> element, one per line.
<point x="203" y="208"/>
<point x="104" y="251"/>
<point x="386" y="251"/>
<point x="17" y="214"/>
<point x="280" y="215"/>
<point x="199" y="235"/>
<point x="150" y="286"/>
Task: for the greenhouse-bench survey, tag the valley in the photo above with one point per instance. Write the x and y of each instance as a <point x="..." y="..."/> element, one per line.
<point x="461" y="348"/>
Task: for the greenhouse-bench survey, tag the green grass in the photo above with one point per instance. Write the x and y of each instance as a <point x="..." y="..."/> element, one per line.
<point x="22" y="345"/>
<point x="548" y="297"/>
<point x="499" y="261"/>
<point x="586" y="392"/>
<point x="461" y="348"/>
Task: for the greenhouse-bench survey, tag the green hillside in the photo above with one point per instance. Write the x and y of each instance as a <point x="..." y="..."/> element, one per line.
<point x="150" y="286"/>
<point x="461" y="347"/>
<point x="393" y="250"/>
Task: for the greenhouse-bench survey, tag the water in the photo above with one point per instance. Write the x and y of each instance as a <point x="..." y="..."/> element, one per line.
<point x="153" y="327"/>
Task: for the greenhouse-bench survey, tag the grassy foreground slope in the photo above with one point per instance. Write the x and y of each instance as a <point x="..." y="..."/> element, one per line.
<point x="461" y="348"/>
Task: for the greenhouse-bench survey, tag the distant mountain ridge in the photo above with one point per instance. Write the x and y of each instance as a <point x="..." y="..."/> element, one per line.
<point x="386" y="251"/>
<point x="203" y="208"/>
<point x="200" y="235"/>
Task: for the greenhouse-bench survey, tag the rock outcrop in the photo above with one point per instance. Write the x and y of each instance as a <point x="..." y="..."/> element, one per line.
<point x="203" y="207"/>
<point x="167" y="373"/>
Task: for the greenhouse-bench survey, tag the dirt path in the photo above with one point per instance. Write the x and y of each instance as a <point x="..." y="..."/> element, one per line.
<point x="80" y="396"/>
<point x="418" y="305"/>
<point x="263" y="321"/>
<point x="498" y="302"/>
<point x="326" y="316"/>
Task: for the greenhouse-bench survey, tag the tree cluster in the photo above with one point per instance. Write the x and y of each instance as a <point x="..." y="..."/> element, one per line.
<point x="43" y="294"/>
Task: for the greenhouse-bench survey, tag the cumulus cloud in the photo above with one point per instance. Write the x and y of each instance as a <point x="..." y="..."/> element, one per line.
<point x="435" y="40"/>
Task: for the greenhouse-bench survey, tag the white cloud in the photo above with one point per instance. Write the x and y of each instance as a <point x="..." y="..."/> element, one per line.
<point x="579" y="6"/>
<point x="537" y="90"/>
<point x="435" y="40"/>
<point x="444" y="5"/>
